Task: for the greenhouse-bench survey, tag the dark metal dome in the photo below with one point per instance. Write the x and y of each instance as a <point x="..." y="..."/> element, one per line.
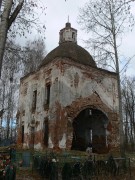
<point x="72" y="51"/>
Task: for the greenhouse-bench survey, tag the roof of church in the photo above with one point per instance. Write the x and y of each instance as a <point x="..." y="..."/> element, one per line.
<point x="72" y="51"/>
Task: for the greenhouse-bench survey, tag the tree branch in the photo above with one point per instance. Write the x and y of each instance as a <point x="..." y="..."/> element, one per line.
<point x="127" y="63"/>
<point x="15" y="13"/>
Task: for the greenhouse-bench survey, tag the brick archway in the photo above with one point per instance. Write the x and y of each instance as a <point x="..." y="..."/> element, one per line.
<point x="94" y="102"/>
<point x="89" y="130"/>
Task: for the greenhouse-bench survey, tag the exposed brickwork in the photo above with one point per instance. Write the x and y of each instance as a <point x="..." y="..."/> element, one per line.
<point x="76" y="80"/>
<point x="19" y="137"/>
<point x="95" y="102"/>
<point x="38" y="137"/>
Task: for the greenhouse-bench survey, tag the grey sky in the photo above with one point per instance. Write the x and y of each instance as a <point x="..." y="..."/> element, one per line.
<point x="57" y="13"/>
<point x="56" y="17"/>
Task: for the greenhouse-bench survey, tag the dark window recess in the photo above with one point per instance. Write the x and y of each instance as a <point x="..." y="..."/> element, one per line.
<point x="34" y="100"/>
<point x="48" y="94"/>
<point x="46" y="132"/>
<point x="22" y="134"/>
<point x="23" y="112"/>
<point x="32" y="137"/>
<point x="73" y="35"/>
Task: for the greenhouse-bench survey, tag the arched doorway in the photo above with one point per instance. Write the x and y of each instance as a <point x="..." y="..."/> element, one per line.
<point x="90" y="127"/>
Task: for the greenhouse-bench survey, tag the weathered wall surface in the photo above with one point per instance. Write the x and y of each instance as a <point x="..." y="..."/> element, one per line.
<point x="28" y="118"/>
<point x="74" y="87"/>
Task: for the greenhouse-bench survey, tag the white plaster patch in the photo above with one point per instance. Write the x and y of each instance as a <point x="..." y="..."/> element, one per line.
<point x="107" y="133"/>
<point x="62" y="143"/>
<point x="37" y="146"/>
<point x="50" y="143"/>
<point x="25" y="145"/>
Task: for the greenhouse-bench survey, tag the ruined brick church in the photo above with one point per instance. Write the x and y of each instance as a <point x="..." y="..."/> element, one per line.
<point x="69" y="103"/>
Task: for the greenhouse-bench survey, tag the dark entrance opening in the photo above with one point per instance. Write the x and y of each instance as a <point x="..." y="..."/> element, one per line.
<point x="90" y="128"/>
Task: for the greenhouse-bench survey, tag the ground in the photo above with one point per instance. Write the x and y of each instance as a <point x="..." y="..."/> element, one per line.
<point x="27" y="174"/>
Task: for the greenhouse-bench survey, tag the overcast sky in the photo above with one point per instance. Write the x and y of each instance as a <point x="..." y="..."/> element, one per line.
<point x="57" y="15"/>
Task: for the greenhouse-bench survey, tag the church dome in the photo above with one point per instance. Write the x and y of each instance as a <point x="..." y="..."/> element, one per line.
<point x="68" y="48"/>
<point x="72" y="51"/>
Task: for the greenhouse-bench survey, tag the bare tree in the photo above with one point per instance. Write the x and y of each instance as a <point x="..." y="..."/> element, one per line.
<point x="16" y="17"/>
<point x="34" y="52"/>
<point x="17" y="62"/>
<point x="128" y="96"/>
<point x="107" y="20"/>
<point x="10" y="84"/>
<point x="0" y="4"/>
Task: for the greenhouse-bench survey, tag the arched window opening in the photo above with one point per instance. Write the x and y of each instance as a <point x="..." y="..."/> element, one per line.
<point x="48" y="94"/>
<point x="34" y="103"/>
